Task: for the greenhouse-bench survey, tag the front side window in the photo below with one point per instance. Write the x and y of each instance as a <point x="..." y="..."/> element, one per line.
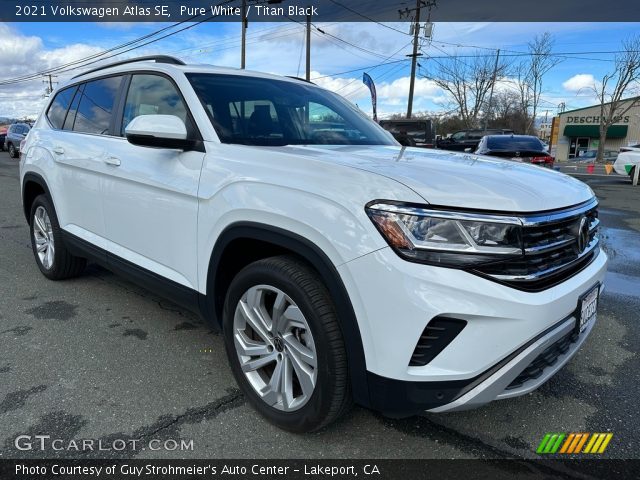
<point x="263" y="111"/>
<point x="154" y="95"/>
<point x="459" y="136"/>
<point x="96" y="106"/>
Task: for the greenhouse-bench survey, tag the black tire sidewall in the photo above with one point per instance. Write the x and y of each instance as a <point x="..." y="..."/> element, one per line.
<point x="308" y="417"/>
<point x="12" y="151"/>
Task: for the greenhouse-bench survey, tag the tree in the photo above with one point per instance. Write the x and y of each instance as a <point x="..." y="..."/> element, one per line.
<point x="530" y="74"/>
<point x="622" y="81"/>
<point x="468" y="83"/>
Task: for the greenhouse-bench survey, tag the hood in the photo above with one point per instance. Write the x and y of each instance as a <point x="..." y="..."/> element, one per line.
<point x="461" y="180"/>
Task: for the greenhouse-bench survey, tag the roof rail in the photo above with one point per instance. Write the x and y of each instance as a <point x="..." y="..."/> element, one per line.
<point x="157" y="58"/>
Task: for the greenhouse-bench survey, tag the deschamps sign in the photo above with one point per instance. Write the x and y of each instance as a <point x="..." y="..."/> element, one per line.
<point x="596" y="119"/>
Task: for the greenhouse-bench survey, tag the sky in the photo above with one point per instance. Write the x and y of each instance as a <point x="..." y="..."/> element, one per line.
<point x="26" y="48"/>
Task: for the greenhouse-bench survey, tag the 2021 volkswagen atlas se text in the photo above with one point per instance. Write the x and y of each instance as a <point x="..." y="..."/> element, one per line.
<point x="340" y="266"/>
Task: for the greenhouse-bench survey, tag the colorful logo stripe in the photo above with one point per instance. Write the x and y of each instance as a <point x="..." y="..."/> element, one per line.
<point x="573" y="443"/>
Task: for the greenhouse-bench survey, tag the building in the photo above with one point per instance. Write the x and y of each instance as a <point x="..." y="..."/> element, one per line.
<point x="579" y="130"/>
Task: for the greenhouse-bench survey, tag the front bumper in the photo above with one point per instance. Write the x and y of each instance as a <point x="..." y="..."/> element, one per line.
<point x="506" y="331"/>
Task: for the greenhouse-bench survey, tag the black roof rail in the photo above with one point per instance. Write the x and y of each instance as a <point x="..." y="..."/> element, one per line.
<point x="157" y="58"/>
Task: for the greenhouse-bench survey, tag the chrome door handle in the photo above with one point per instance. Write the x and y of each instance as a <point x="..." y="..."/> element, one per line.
<point x="58" y="150"/>
<point x="115" y="161"/>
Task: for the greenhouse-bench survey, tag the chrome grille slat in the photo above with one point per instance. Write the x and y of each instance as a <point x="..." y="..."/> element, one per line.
<point x="550" y="249"/>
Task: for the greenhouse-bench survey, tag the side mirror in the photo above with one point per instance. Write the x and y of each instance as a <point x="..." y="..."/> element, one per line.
<point x="468" y="150"/>
<point x="159" y="131"/>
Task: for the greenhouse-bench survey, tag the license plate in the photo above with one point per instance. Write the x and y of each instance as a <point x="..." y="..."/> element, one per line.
<point x="588" y="308"/>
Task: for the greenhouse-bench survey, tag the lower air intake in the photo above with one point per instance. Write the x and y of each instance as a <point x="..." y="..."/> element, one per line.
<point x="439" y="333"/>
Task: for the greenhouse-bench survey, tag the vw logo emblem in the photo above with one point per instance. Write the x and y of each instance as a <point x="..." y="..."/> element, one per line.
<point x="278" y="343"/>
<point x="583" y="235"/>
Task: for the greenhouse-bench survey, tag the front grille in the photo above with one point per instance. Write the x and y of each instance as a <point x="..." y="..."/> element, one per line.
<point x="438" y="333"/>
<point x="551" y="250"/>
<point x="546" y="359"/>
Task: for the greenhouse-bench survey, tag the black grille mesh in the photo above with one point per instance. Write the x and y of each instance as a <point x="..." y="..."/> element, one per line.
<point x="438" y="333"/>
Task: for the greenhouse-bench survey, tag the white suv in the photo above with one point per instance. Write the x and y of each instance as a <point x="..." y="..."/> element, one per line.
<point x="340" y="266"/>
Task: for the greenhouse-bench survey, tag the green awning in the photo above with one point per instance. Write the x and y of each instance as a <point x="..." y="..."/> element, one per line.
<point x="593" y="131"/>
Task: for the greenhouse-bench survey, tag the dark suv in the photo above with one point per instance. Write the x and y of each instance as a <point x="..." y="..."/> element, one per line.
<point x="15" y="134"/>
<point x="469" y="139"/>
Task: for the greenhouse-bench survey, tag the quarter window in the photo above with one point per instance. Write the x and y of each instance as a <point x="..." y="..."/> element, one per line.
<point x="154" y="95"/>
<point x="58" y="108"/>
<point x="96" y="106"/>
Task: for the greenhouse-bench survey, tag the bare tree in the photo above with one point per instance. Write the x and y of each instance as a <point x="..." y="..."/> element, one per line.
<point x="623" y="81"/>
<point x="468" y="83"/>
<point x="530" y="75"/>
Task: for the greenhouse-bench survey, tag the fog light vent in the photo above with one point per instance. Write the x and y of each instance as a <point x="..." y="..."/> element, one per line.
<point x="439" y="333"/>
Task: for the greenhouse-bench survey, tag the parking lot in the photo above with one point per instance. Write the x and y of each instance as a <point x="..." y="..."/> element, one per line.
<point x="100" y="358"/>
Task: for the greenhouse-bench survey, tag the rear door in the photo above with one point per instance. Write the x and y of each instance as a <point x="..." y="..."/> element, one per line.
<point x="150" y="195"/>
<point x="82" y="119"/>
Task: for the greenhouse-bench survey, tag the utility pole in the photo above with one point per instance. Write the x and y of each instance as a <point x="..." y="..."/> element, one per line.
<point x="493" y="84"/>
<point x="244" y="34"/>
<point x="414" y="56"/>
<point x="308" y="72"/>
<point x="49" y="82"/>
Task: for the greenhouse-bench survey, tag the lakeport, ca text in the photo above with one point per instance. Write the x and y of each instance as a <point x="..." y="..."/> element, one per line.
<point x="126" y="470"/>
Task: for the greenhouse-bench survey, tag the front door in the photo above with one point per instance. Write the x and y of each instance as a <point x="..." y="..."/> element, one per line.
<point x="578" y="146"/>
<point x="150" y="195"/>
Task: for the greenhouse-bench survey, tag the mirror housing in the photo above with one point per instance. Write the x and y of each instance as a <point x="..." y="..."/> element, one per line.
<point x="158" y="131"/>
<point x="468" y="150"/>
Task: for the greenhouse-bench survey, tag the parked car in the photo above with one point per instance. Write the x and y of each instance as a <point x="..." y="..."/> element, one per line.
<point x="589" y="156"/>
<point x="15" y="134"/>
<point x="631" y="148"/>
<point x="3" y="136"/>
<point x="627" y="162"/>
<point x="468" y="140"/>
<point x="521" y="148"/>
<point x="411" y="132"/>
<point x="340" y="266"/>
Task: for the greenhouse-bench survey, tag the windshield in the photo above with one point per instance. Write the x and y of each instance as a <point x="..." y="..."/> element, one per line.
<point x="261" y="111"/>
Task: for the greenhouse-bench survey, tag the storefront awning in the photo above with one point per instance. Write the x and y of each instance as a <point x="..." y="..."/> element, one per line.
<point x="593" y="131"/>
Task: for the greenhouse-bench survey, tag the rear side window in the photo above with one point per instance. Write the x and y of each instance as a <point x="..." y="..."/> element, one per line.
<point x="154" y="95"/>
<point x="58" y="108"/>
<point x="96" y="106"/>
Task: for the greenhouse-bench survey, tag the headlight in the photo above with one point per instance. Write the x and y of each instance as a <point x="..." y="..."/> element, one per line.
<point x="447" y="238"/>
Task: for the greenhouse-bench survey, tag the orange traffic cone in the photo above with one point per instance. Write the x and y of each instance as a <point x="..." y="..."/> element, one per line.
<point x="608" y="168"/>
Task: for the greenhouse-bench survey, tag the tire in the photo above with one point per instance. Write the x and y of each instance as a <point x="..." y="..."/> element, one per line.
<point x="54" y="260"/>
<point x="13" y="153"/>
<point x="307" y="328"/>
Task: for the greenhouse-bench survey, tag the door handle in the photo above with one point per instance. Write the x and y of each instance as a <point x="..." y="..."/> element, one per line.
<point x="58" y="150"/>
<point x="115" y="161"/>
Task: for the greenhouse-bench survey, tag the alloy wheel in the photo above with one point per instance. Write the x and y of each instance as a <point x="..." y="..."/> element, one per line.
<point x="275" y="347"/>
<point x="43" y="235"/>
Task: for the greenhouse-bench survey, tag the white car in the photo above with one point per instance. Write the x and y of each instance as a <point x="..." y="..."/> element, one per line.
<point x="626" y="162"/>
<point x="340" y="266"/>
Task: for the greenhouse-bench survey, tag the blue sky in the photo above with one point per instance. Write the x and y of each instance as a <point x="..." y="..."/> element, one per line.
<point x="277" y="48"/>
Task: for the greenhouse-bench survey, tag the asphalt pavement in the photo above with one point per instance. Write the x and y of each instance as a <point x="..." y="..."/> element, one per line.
<point x="100" y="358"/>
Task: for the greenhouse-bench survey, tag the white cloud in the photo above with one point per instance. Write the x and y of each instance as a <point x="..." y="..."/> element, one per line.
<point x="579" y="82"/>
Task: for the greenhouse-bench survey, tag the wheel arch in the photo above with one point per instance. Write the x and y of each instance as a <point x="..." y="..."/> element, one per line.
<point x="32" y="185"/>
<point x="269" y="241"/>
